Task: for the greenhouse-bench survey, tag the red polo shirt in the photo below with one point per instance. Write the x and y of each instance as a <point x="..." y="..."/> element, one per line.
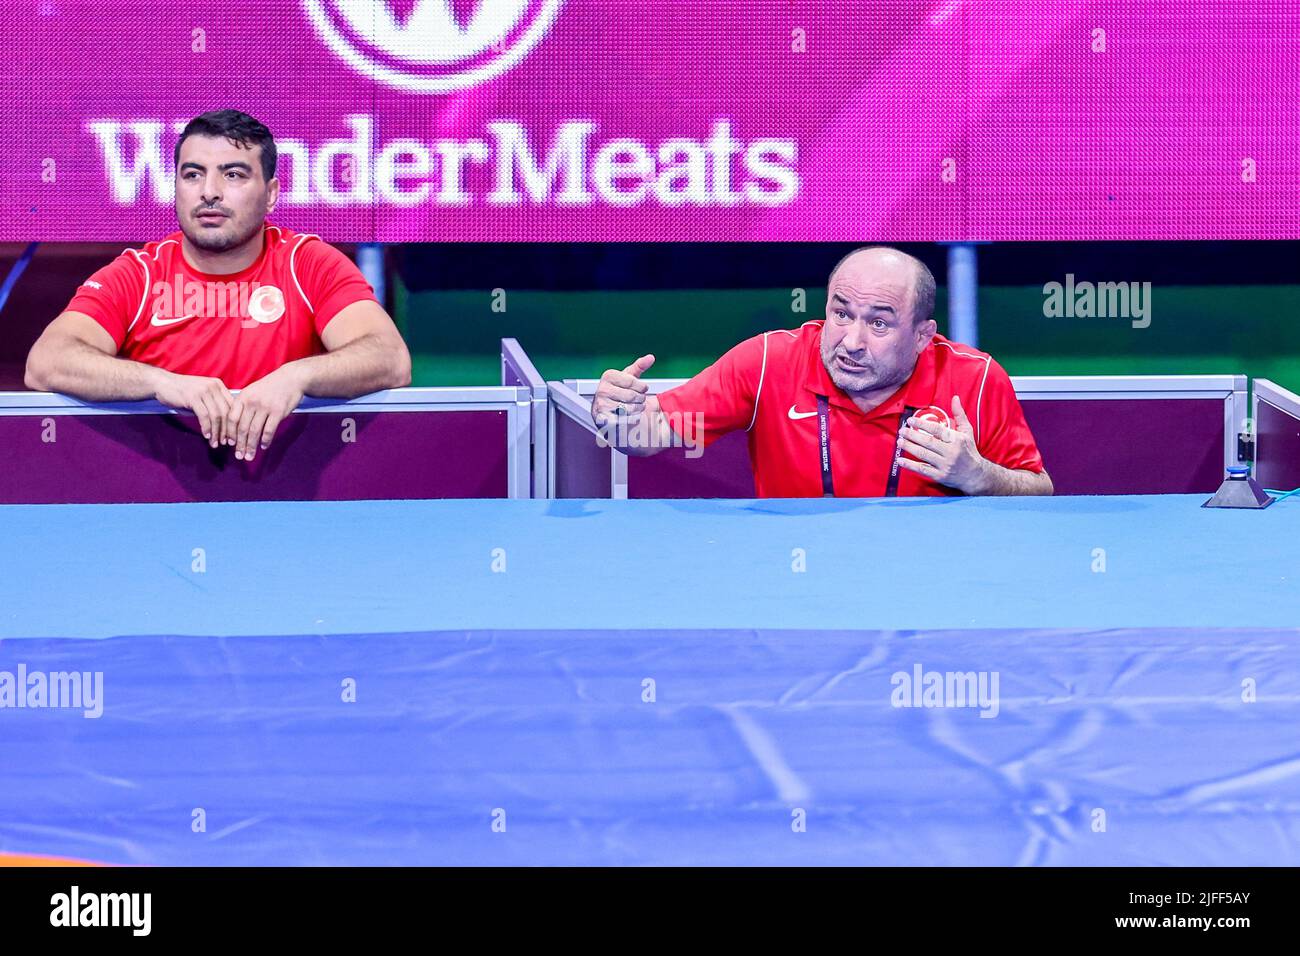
<point x="768" y="386"/>
<point x="237" y="327"/>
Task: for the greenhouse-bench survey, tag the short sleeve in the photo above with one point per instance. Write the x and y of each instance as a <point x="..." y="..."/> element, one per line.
<point x="1004" y="437"/>
<point x="724" y="394"/>
<point x="113" y="296"/>
<point x="330" y="281"/>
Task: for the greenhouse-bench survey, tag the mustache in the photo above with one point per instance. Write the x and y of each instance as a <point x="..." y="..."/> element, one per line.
<point x="841" y="352"/>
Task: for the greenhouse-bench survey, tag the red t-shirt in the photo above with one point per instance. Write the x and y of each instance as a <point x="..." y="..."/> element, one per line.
<point x="768" y="385"/>
<point x="237" y="327"/>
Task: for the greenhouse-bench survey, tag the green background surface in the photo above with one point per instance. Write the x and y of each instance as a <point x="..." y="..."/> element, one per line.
<point x="454" y="335"/>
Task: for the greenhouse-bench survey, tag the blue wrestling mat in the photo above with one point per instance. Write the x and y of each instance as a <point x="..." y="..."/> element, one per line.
<point x="1095" y="681"/>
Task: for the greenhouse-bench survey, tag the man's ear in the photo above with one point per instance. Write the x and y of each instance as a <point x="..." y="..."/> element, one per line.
<point x="925" y="332"/>
<point x="272" y="194"/>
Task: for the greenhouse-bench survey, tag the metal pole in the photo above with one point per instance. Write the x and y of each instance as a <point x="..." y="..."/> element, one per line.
<point x="963" y="295"/>
<point x="370" y="260"/>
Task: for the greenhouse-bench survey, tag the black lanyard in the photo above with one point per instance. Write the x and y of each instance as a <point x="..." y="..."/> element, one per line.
<point x="824" y="438"/>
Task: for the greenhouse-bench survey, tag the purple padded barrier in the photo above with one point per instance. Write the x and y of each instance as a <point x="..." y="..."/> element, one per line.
<point x="1165" y="446"/>
<point x="1277" y="459"/>
<point x="1149" y="446"/>
<point x="1103" y="446"/>
<point x="721" y="471"/>
<point x="101" y="459"/>
<point x="582" y="468"/>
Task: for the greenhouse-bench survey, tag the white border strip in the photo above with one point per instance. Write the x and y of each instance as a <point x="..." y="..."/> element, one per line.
<point x="1032" y="387"/>
<point x="516" y="363"/>
<point x="568" y="402"/>
<point x="519" y="447"/>
<point x="514" y="357"/>
<point x="1280" y="398"/>
<point x="390" y="400"/>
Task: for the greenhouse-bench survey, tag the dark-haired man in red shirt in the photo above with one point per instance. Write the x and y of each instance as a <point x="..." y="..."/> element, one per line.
<point x="229" y="302"/>
<point x="868" y="402"/>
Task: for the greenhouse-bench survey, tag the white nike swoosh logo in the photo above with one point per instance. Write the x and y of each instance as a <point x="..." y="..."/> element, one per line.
<point x="798" y="415"/>
<point x="157" y="321"/>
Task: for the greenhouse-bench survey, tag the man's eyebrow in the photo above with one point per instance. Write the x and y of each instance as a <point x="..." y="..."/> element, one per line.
<point x="878" y="307"/>
<point x="222" y="168"/>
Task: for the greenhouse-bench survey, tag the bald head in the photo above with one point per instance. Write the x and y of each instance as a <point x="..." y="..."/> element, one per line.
<point x="881" y="263"/>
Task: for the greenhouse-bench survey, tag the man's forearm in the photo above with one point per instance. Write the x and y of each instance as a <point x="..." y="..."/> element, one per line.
<point x="997" y="480"/>
<point x="366" y="365"/>
<point x="77" y="369"/>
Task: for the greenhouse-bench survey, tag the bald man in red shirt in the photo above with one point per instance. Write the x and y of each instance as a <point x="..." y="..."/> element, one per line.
<point x="868" y="402"/>
<point x="229" y="302"/>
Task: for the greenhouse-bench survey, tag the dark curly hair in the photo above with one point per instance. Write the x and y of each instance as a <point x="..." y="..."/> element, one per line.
<point x="236" y="126"/>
